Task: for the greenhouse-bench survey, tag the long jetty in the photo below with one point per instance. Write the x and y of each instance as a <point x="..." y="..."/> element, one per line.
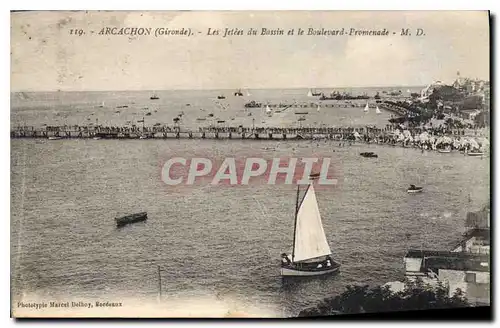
<point x="227" y="132"/>
<point x="176" y="132"/>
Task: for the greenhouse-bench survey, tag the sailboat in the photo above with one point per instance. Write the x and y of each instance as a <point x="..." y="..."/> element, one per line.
<point x="269" y="112"/>
<point x="367" y="108"/>
<point x="248" y="94"/>
<point x="311" y="254"/>
<point x="310" y="94"/>
<point x="377" y="110"/>
<point x="319" y="108"/>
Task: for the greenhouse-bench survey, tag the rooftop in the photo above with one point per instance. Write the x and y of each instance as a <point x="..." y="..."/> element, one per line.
<point x="435" y="260"/>
<point x="417" y="253"/>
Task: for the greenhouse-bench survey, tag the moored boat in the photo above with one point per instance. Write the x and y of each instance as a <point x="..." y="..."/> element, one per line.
<point x="476" y="153"/>
<point x="414" y="189"/>
<point x="311" y="254"/>
<point x="367" y="108"/>
<point x="444" y="150"/>
<point x="132" y="218"/>
<point x="368" y="154"/>
<point x="54" y="138"/>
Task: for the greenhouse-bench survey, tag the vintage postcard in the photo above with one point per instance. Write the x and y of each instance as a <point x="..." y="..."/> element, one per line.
<point x="249" y="163"/>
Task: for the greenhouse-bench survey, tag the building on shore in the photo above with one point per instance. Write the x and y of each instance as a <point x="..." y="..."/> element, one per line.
<point x="465" y="267"/>
<point x="469" y="272"/>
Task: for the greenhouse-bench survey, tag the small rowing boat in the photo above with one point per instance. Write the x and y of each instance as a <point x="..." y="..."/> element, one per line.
<point x="131" y="218"/>
<point x="414" y="189"/>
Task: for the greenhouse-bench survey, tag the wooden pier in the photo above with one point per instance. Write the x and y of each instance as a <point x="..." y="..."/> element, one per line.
<point x="167" y="132"/>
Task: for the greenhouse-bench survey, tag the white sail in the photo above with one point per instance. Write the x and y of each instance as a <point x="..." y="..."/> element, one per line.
<point x="319" y="108"/>
<point x="377" y="110"/>
<point x="248" y="94"/>
<point x="268" y="110"/>
<point x="310" y="239"/>
<point x="310" y="94"/>
<point x="367" y="108"/>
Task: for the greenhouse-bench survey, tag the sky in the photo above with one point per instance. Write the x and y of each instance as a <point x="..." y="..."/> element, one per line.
<point x="46" y="57"/>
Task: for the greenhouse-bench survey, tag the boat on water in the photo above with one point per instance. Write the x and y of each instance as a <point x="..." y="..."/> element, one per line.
<point x="301" y="113"/>
<point x="143" y="136"/>
<point x="369" y="154"/>
<point x="312" y="93"/>
<point x="154" y="97"/>
<point x="319" y="108"/>
<point x="311" y="254"/>
<point x="377" y="110"/>
<point x="238" y="93"/>
<point x="221" y="97"/>
<point x="97" y="138"/>
<point x="476" y="153"/>
<point x="269" y="112"/>
<point x="367" y="108"/>
<point x="446" y="150"/>
<point x="131" y="218"/>
<point x="414" y="189"/>
<point x="54" y="138"/>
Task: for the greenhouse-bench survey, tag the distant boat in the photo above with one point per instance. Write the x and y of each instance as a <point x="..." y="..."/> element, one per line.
<point x="248" y="94"/>
<point x="408" y="90"/>
<point x="311" y="254"/>
<point x="154" y="97"/>
<point x="96" y="138"/>
<point x="475" y="153"/>
<point x="312" y="93"/>
<point x="143" y="137"/>
<point x="369" y="154"/>
<point x="319" y="108"/>
<point x="414" y="189"/>
<point x="367" y="108"/>
<point x="444" y="150"/>
<point x="132" y="218"/>
<point x="269" y="112"/>
<point x="54" y="138"/>
<point x="238" y="93"/>
<point x="377" y="110"/>
<point x="221" y="97"/>
<point x="301" y="113"/>
<point x="102" y="105"/>
<point x="314" y="175"/>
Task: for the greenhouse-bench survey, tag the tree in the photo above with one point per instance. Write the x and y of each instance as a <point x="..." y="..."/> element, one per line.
<point x="362" y="299"/>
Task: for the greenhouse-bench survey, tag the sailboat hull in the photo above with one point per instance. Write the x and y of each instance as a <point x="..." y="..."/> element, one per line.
<point x="290" y="271"/>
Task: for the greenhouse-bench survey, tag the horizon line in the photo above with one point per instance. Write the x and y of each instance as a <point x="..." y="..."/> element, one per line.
<point x="242" y="88"/>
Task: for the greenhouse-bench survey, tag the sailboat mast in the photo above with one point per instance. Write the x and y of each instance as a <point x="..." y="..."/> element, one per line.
<point x="295" y="221"/>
